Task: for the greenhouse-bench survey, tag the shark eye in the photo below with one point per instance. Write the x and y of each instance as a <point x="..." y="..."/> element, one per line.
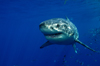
<point x="58" y="26"/>
<point x="64" y="26"/>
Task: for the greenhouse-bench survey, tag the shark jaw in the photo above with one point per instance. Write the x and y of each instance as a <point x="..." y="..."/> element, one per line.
<point x="55" y="35"/>
<point x="57" y="38"/>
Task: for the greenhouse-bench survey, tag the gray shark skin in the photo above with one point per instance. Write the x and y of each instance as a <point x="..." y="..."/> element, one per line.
<point x="62" y="32"/>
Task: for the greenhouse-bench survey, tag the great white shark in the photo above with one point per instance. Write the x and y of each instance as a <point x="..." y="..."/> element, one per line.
<point x="62" y="32"/>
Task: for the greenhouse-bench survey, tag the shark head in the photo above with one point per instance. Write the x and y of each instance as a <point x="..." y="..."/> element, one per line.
<point x="57" y="30"/>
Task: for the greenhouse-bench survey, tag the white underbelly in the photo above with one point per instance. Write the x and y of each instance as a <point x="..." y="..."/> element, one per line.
<point x="68" y="41"/>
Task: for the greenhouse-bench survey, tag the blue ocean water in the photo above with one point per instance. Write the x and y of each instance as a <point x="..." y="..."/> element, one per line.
<point x="20" y="37"/>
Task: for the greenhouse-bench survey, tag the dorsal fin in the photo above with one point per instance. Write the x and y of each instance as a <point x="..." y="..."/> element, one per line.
<point x="65" y="2"/>
<point x="67" y="18"/>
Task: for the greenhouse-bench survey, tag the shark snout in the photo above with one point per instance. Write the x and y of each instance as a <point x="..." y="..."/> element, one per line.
<point x="42" y="25"/>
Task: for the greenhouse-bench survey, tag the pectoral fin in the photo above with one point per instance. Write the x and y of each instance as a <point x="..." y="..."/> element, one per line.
<point x="85" y="45"/>
<point x="74" y="46"/>
<point x="45" y="44"/>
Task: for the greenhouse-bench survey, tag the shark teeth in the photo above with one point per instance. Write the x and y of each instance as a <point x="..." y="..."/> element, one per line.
<point x="53" y="35"/>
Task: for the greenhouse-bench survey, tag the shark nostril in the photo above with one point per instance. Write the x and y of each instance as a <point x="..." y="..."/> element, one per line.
<point x="51" y="27"/>
<point x="42" y="24"/>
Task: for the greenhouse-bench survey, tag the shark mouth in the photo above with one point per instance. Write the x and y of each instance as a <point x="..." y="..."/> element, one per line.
<point x="53" y="35"/>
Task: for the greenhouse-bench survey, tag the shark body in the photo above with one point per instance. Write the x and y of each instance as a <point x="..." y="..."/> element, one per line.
<point x="62" y="32"/>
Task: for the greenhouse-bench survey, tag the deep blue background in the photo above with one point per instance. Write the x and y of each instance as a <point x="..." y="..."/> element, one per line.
<point x="20" y="37"/>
